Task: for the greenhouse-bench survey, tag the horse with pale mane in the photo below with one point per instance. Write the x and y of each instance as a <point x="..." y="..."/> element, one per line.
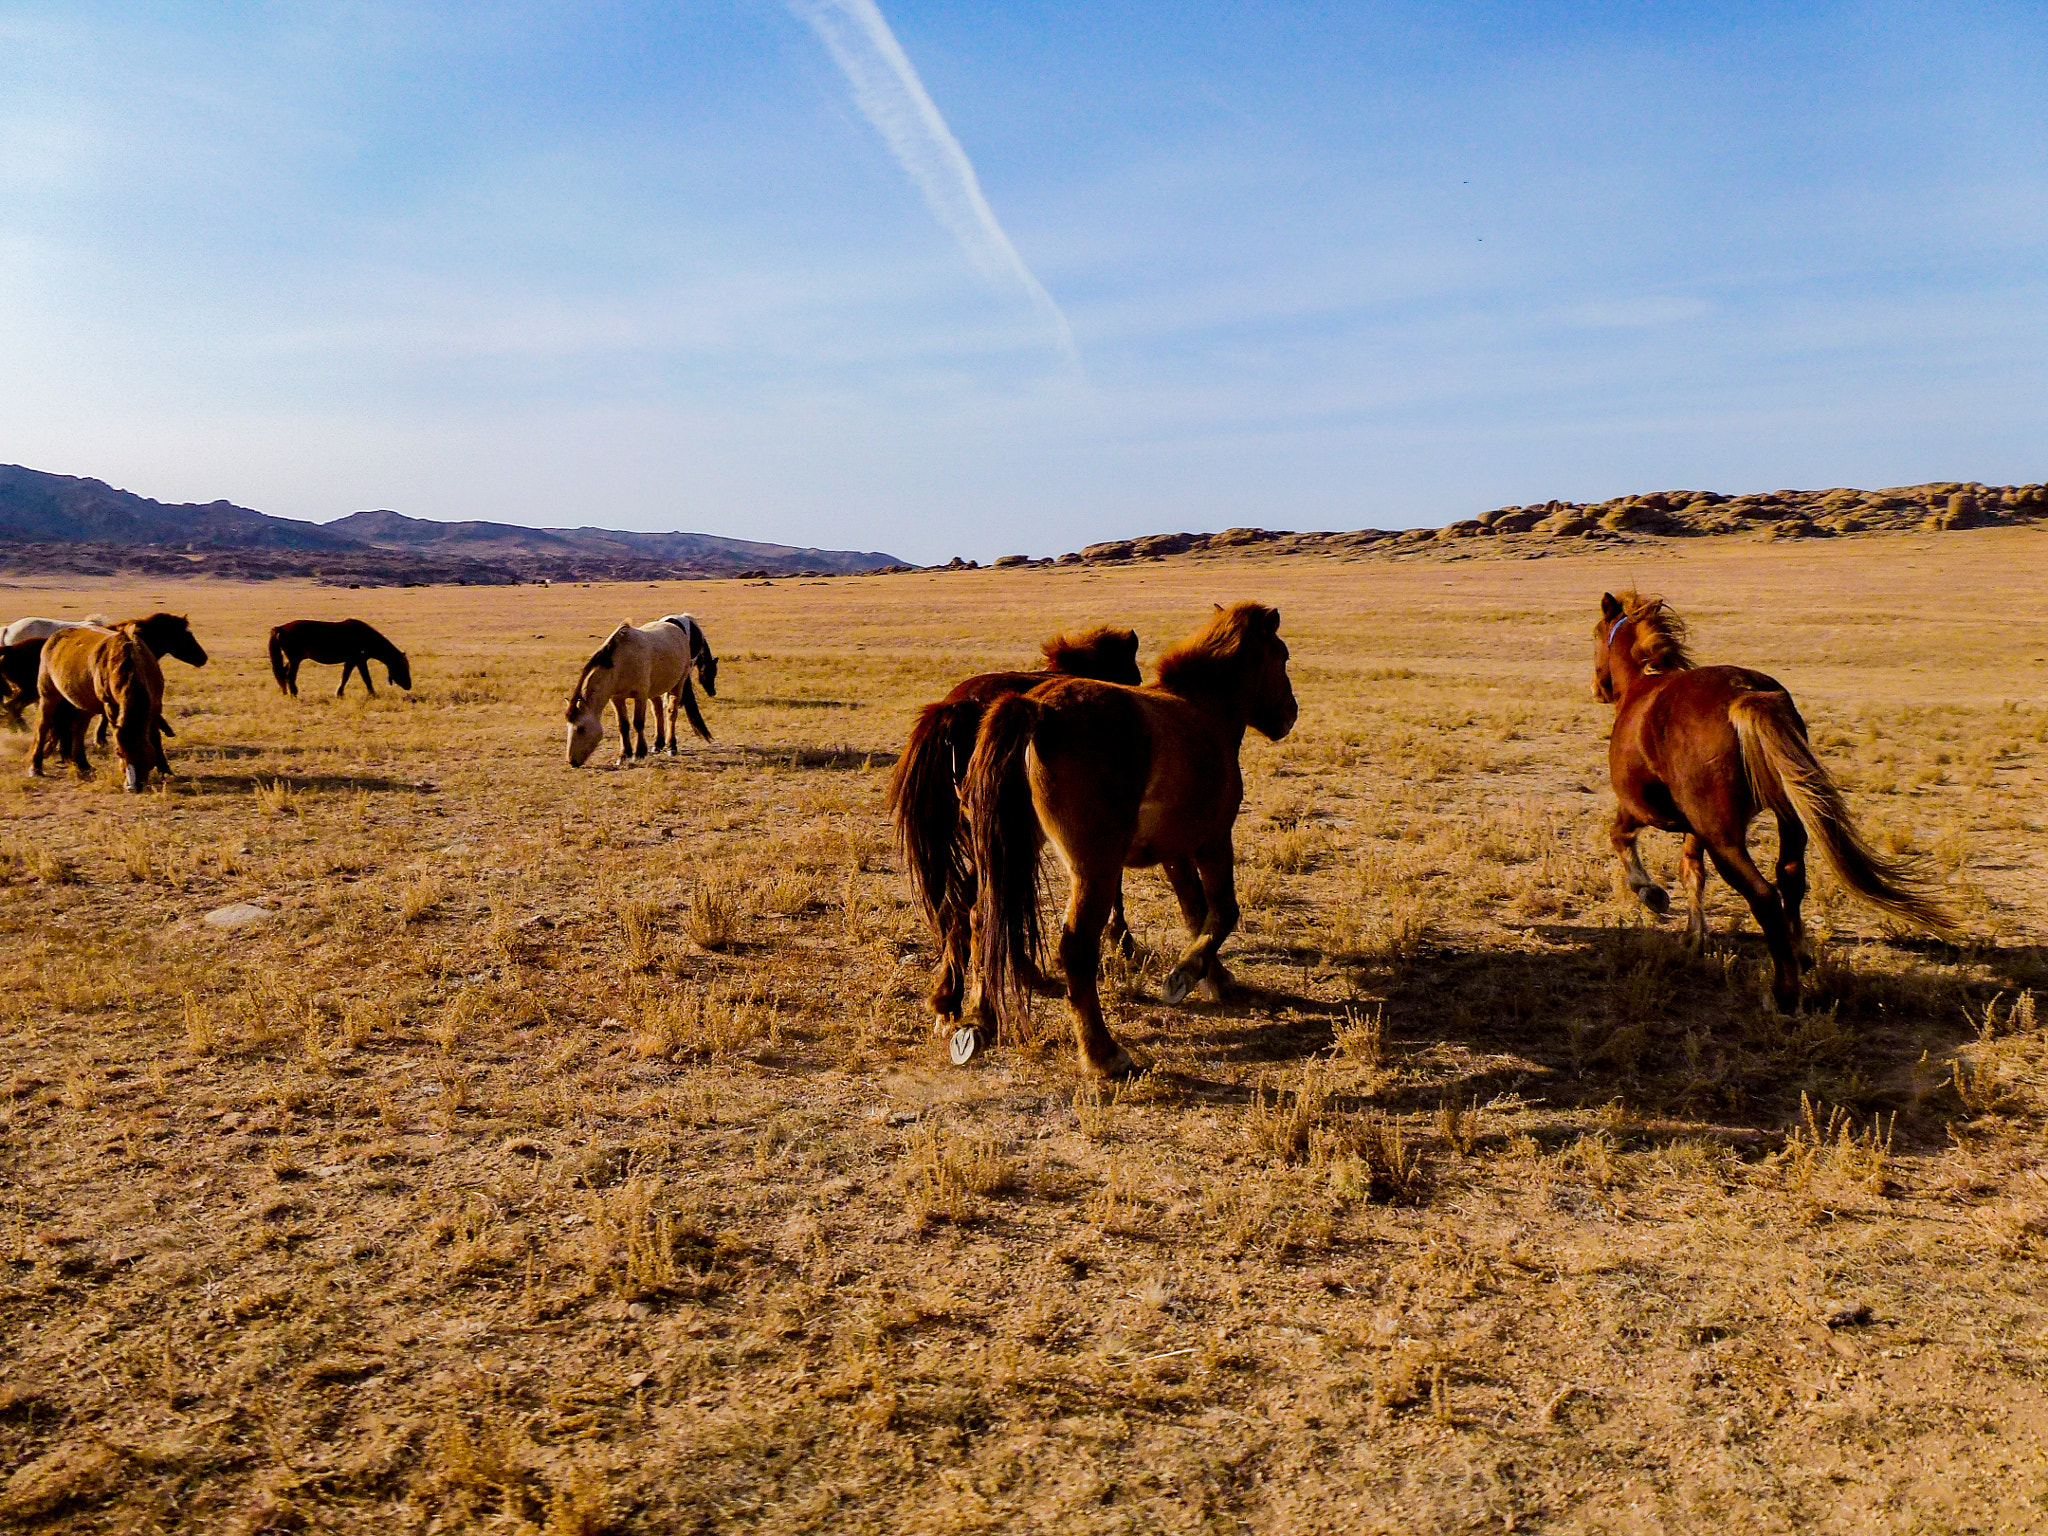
<point x="924" y="798"/>
<point x="644" y="663"/>
<point x="1702" y="751"/>
<point x="1118" y="778"/>
<point x="90" y="671"/>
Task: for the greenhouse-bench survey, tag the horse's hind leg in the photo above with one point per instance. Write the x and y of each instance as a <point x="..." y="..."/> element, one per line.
<point x="1623" y="837"/>
<point x="662" y="741"/>
<point x="1692" y="869"/>
<point x="639" y="726"/>
<point x="1792" y="881"/>
<point x="1731" y="858"/>
<point x="1216" y="866"/>
<point x="1088" y="909"/>
<point x="291" y="676"/>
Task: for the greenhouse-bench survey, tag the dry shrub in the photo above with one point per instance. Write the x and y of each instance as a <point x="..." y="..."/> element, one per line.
<point x="1829" y="1157"/>
<point x="492" y="1476"/>
<point x="791" y="893"/>
<point x="950" y="1171"/>
<point x="1297" y="850"/>
<point x="713" y="919"/>
<point x="641" y="1241"/>
<point x="419" y="898"/>
<point x="708" y="1024"/>
<point x="637" y="934"/>
<point x="202" y="1030"/>
<point x="275" y="797"/>
<point x="1364" y="1153"/>
<point x="1362" y="1037"/>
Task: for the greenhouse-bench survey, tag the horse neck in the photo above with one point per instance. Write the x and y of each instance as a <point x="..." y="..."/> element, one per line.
<point x="596" y="689"/>
<point x="1222" y="688"/>
<point x="1624" y="671"/>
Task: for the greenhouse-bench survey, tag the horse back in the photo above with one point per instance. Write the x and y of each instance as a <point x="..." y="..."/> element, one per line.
<point x="1673" y="735"/>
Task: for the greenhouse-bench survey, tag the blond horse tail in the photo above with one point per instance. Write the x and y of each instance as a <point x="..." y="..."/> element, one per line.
<point x="1003" y="828"/>
<point x="1785" y="775"/>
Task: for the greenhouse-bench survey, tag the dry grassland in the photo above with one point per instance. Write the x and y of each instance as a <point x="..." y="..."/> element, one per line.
<point x="569" y="1153"/>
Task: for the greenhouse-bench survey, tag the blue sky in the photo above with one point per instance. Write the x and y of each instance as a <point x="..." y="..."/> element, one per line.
<point x="719" y="266"/>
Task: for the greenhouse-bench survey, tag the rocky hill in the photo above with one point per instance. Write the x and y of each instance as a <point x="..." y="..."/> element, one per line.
<point x="1528" y="530"/>
<point x="66" y="524"/>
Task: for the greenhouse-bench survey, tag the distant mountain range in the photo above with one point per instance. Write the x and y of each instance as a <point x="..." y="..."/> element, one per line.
<point x="62" y="523"/>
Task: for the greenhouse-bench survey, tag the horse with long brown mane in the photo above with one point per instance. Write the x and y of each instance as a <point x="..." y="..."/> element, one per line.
<point x="1119" y="778"/>
<point x="349" y="643"/>
<point x="166" y="634"/>
<point x="89" y="671"/>
<point x="924" y="796"/>
<point x="1702" y="751"/>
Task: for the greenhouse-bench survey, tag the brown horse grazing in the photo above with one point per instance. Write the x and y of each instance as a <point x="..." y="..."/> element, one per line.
<point x="924" y="796"/>
<point x="166" y="634"/>
<point x="87" y="672"/>
<point x="1119" y="778"/>
<point x="1702" y="751"/>
<point x="350" y="643"/>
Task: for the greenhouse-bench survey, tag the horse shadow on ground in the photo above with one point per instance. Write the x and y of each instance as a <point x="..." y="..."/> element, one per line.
<point x="1600" y="1015"/>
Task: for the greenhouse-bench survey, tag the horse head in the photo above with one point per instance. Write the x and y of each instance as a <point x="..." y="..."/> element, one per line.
<point x="398" y="669"/>
<point x="585" y="713"/>
<point x="1272" y="710"/>
<point x="179" y="641"/>
<point x="1613" y="617"/>
<point x="1105" y="653"/>
<point x="1655" y="642"/>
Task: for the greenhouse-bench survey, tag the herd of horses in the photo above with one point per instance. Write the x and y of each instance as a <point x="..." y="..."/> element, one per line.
<point x="1118" y="774"/>
<point x="1114" y="772"/>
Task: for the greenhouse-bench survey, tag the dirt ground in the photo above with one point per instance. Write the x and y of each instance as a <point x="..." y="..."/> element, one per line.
<point x="568" y="1150"/>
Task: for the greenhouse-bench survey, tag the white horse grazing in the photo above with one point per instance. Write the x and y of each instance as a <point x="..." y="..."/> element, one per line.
<point x="644" y="663"/>
<point x="42" y="629"/>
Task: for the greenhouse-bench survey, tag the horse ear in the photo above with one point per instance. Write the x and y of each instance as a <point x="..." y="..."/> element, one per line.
<point x="1609" y="608"/>
<point x="1272" y="621"/>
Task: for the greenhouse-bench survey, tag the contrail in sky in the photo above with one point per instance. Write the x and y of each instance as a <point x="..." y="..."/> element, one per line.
<point x="889" y="95"/>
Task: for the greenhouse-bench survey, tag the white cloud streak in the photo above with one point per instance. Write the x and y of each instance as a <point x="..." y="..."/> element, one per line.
<point x="890" y="95"/>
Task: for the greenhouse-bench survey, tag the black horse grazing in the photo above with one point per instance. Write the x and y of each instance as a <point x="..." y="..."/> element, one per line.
<point x="18" y="663"/>
<point x="350" y="642"/>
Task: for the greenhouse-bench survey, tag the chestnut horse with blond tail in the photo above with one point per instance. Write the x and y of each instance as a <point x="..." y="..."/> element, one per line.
<point x="1702" y="751"/>
<point x="924" y="796"/>
<point x="89" y="671"/>
<point x="1119" y="778"/>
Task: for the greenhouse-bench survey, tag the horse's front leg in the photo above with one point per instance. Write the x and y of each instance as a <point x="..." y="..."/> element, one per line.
<point x="363" y="666"/>
<point x="639" y="726"/>
<point x="1216" y="867"/>
<point x="1622" y="836"/>
<point x="625" y="730"/>
<point x="291" y="676"/>
<point x="661" y="742"/>
<point x="347" y="666"/>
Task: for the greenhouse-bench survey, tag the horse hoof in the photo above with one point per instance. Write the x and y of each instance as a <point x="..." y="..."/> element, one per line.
<point x="1180" y="981"/>
<point x="966" y="1044"/>
<point x="1121" y="1066"/>
<point x="1655" y="897"/>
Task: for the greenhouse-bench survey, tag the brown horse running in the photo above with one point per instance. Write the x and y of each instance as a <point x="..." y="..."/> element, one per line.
<point x="1702" y="751"/>
<point x="924" y="797"/>
<point x="1119" y="778"/>
<point x="87" y="672"/>
<point x="349" y="643"/>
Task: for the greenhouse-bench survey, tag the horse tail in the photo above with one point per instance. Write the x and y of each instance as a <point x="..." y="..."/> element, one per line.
<point x="696" y="716"/>
<point x="1785" y="775"/>
<point x="1003" y="825"/>
<point x="924" y="805"/>
<point x="277" y="660"/>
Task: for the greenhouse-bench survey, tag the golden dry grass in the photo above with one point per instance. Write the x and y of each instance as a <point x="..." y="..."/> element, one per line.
<point x="569" y="1153"/>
